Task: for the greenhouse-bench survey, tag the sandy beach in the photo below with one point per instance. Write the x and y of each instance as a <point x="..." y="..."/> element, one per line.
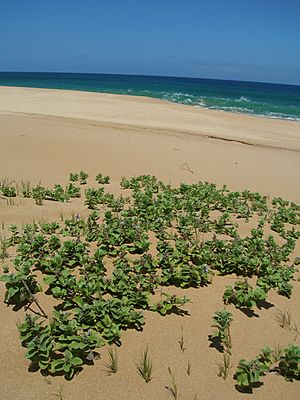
<point x="46" y="134"/>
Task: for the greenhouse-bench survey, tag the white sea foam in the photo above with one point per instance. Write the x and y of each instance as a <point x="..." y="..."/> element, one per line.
<point x="205" y="102"/>
<point x="244" y="98"/>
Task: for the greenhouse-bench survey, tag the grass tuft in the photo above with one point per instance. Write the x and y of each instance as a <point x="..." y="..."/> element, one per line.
<point x="173" y="388"/>
<point x="285" y="321"/>
<point x="144" y="366"/>
<point x="113" y="363"/>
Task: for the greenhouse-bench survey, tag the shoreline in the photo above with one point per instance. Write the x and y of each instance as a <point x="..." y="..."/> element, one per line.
<point x="152" y="113"/>
<point x="149" y="98"/>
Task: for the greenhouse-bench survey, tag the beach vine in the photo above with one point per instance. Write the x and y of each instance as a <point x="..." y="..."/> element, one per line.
<point x="196" y="230"/>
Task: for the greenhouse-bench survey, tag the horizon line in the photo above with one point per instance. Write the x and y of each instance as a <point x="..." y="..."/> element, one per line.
<point x="158" y="76"/>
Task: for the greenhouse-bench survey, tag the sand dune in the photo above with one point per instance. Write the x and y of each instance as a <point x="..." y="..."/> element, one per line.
<point x="45" y="134"/>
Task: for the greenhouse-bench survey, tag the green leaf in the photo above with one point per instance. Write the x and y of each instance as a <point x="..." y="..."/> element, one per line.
<point x="79" y="301"/>
<point x="77" y="346"/>
<point x="12" y="291"/>
<point x="77" y="361"/>
<point x="31" y="353"/>
<point x="57" y="365"/>
<point x="50" y="279"/>
<point x="56" y="291"/>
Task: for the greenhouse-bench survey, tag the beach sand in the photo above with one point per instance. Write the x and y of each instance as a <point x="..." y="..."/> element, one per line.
<point x="46" y="134"/>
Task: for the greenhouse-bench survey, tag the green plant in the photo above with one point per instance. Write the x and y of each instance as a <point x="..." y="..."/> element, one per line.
<point x="30" y="328"/>
<point x="102" y="179"/>
<point x="72" y="191"/>
<point x="21" y="285"/>
<point x="62" y="284"/>
<point x="289" y="364"/>
<point x="7" y="188"/>
<point x="173" y="388"/>
<point x="4" y="244"/>
<point x="144" y="366"/>
<point x="57" y="194"/>
<point x="286" y="362"/>
<point x="242" y="295"/>
<point x="93" y="197"/>
<point x="74" y="177"/>
<point x="49" y="227"/>
<point x="75" y="226"/>
<point x="40" y="348"/>
<point x="113" y="364"/>
<point x="26" y="189"/>
<point x="83" y="177"/>
<point x="171" y="303"/>
<point x="278" y="278"/>
<point x="182" y="341"/>
<point x="38" y="193"/>
<point x="102" y="275"/>
<point x="222" y="321"/>
<point x="188" y="368"/>
<point x="248" y="373"/>
<point x="68" y="364"/>
<point x="15" y="235"/>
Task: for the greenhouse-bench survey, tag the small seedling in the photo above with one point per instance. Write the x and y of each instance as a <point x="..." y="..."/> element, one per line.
<point x="188" y="368"/>
<point x="173" y="388"/>
<point x="59" y="394"/>
<point x="73" y="177"/>
<point x="25" y="189"/>
<point x="102" y="179"/>
<point x="3" y="249"/>
<point x="61" y="216"/>
<point x="83" y="177"/>
<point x="144" y="366"/>
<point x="181" y="341"/>
<point x="112" y="364"/>
<point x="38" y="193"/>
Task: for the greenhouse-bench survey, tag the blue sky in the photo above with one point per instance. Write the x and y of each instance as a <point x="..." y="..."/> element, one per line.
<point x="255" y="40"/>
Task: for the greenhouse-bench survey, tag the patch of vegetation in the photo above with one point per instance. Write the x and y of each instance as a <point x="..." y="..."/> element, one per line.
<point x="285" y="362"/>
<point x="196" y="236"/>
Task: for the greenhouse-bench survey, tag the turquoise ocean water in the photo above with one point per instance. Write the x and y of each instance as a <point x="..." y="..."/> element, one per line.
<point x="264" y="99"/>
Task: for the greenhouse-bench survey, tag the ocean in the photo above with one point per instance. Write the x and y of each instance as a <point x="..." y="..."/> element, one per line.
<point x="263" y="99"/>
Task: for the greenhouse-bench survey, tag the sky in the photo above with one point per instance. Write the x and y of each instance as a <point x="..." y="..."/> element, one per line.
<point x="252" y="40"/>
